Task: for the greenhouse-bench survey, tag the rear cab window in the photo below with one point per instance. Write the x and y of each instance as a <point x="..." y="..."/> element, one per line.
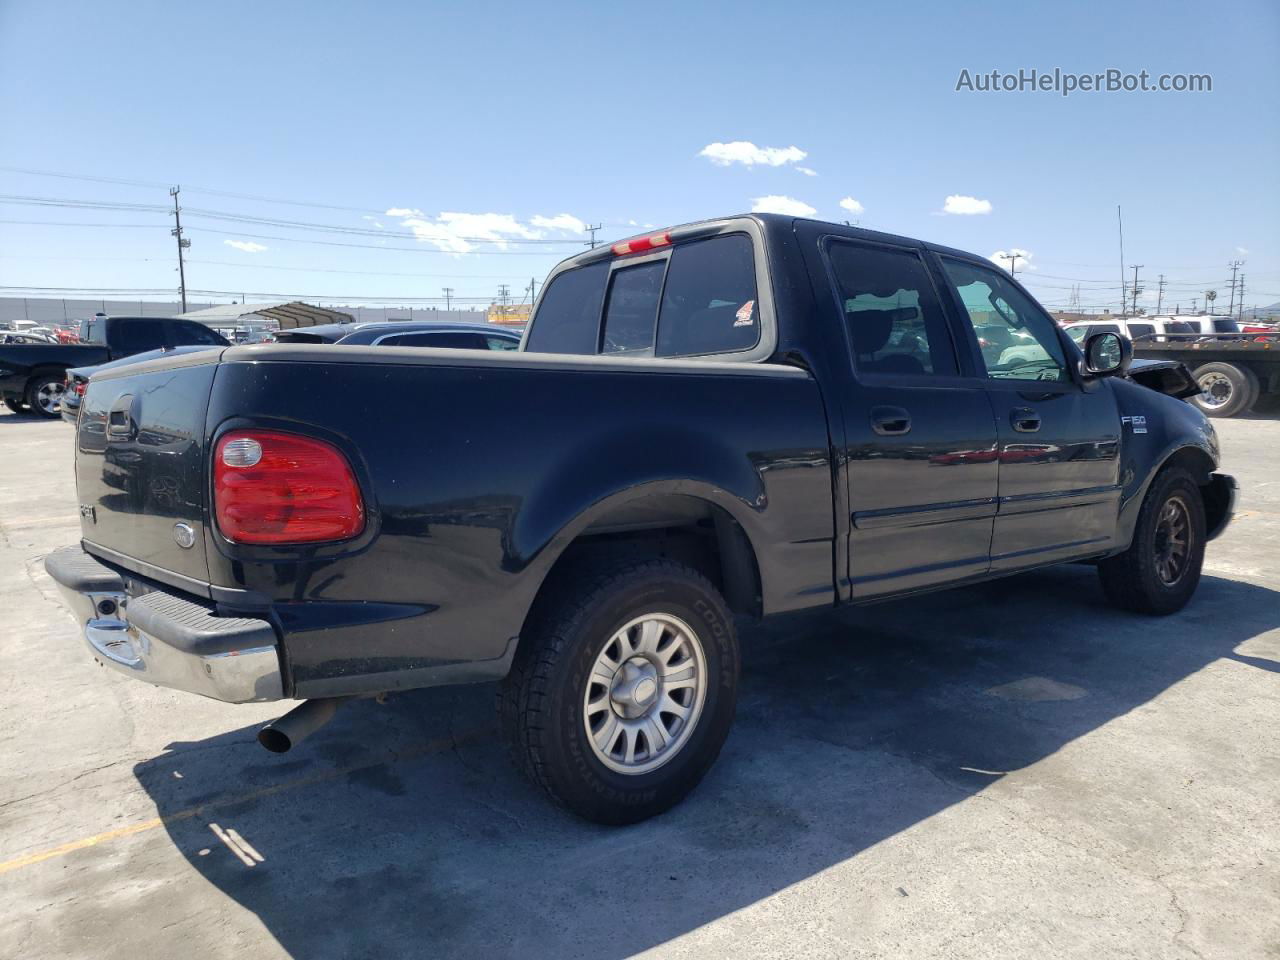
<point x="697" y="298"/>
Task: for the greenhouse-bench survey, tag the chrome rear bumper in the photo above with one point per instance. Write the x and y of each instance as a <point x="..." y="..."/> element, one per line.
<point x="167" y="639"/>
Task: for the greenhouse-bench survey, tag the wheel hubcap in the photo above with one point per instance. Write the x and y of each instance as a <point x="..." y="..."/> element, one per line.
<point x="48" y="396"/>
<point x="1215" y="389"/>
<point x="1173" y="541"/>
<point x="645" y="693"/>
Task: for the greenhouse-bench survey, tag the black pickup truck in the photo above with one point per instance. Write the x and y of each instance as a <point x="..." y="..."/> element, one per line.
<point x="731" y="419"/>
<point x="32" y="376"/>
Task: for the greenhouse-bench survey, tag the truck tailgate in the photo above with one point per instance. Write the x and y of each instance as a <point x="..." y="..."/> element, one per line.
<point x="140" y="467"/>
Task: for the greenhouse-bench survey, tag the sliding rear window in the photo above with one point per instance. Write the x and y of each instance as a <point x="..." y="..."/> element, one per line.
<point x="699" y="299"/>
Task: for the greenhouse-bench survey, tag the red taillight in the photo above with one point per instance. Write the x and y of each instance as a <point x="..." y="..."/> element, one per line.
<point x="271" y="487"/>
<point x="662" y="239"/>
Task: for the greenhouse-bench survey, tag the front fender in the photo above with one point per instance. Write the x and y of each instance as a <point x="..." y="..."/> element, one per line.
<point x="1155" y="430"/>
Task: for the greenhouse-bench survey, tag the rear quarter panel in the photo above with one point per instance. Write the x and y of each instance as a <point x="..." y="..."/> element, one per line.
<point x="479" y="469"/>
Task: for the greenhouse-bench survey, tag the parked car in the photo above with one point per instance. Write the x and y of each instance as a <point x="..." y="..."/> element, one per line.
<point x="33" y="376"/>
<point x="1205" y="323"/>
<point x="1135" y="328"/>
<point x="77" y="378"/>
<point x="740" y="417"/>
<point x="415" y="333"/>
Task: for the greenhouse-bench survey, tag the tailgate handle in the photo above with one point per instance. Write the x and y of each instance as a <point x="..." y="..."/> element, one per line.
<point x="120" y="422"/>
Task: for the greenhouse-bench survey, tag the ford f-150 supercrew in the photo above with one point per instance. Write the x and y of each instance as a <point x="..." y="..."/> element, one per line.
<point x="724" y="420"/>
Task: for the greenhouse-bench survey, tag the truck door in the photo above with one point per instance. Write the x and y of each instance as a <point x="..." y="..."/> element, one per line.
<point x="1059" y="436"/>
<point x="920" y="443"/>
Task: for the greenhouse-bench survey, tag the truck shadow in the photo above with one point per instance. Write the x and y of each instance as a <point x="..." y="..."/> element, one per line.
<point x="401" y="829"/>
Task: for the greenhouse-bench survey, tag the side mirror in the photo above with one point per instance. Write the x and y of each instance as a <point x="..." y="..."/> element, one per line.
<point x="1107" y="354"/>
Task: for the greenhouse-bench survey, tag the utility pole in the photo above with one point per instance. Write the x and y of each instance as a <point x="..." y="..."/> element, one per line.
<point x="448" y="296"/>
<point x="1120" y="224"/>
<point x="1240" y="305"/>
<point x="182" y="244"/>
<point x="533" y="291"/>
<point x="592" y="230"/>
<point x="1136" y="289"/>
<point x="1160" y="294"/>
<point x="503" y="291"/>
<point x="1234" y="265"/>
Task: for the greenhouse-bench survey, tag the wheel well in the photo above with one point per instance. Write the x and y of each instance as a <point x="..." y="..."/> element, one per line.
<point x="38" y="372"/>
<point x="1194" y="460"/>
<point x="678" y="527"/>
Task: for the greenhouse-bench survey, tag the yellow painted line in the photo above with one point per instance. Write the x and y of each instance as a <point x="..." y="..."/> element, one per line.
<point x="439" y="745"/>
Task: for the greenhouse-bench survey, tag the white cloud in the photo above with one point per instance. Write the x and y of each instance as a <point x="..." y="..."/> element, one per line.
<point x="808" y="171"/>
<point x="775" y="203"/>
<point x="749" y="155"/>
<point x="375" y="221"/>
<point x="561" y="221"/>
<point x="958" y="203"/>
<point x="1242" y="251"/>
<point x="455" y="232"/>
<point x="248" y="246"/>
<point x="1015" y="257"/>
<point x="852" y="206"/>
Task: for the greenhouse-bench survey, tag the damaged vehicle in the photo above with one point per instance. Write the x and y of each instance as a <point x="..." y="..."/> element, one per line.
<point x="726" y="420"/>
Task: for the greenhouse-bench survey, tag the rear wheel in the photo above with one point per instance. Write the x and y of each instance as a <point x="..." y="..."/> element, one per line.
<point x="1161" y="569"/>
<point x="17" y="406"/>
<point x="44" y="393"/>
<point x="1225" y="389"/>
<point x="623" y="690"/>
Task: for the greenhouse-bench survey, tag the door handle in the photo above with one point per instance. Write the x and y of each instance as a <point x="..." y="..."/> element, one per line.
<point x="1025" y="420"/>
<point x="890" y="421"/>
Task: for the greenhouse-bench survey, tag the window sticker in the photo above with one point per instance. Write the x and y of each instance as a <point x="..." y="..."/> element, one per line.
<point x="743" y="316"/>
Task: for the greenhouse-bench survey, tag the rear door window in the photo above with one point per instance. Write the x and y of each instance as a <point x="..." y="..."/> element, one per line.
<point x="709" y="303"/>
<point x="895" y="322"/>
<point x="568" y="318"/>
<point x="1138" y="330"/>
<point x="631" y="314"/>
<point x="136" y="335"/>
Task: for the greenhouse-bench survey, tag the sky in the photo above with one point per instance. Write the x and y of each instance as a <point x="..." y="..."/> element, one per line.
<point x="466" y="145"/>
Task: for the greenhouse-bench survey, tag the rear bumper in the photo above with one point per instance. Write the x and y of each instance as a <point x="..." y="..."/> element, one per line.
<point x="1219" y="503"/>
<point x="166" y="639"/>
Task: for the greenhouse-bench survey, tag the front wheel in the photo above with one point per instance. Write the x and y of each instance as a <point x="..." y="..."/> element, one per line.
<point x="1161" y="569"/>
<point x="623" y="690"/>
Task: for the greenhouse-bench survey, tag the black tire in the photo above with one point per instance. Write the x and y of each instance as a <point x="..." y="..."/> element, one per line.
<point x="1234" y="389"/>
<point x="17" y="406"/>
<point x="541" y="703"/>
<point x="1135" y="580"/>
<point x="38" y="391"/>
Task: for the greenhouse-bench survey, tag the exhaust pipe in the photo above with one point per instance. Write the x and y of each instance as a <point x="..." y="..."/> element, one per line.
<point x="281" y="735"/>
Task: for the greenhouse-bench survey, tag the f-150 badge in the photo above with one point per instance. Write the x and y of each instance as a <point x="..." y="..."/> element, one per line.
<point x="1137" y="424"/>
